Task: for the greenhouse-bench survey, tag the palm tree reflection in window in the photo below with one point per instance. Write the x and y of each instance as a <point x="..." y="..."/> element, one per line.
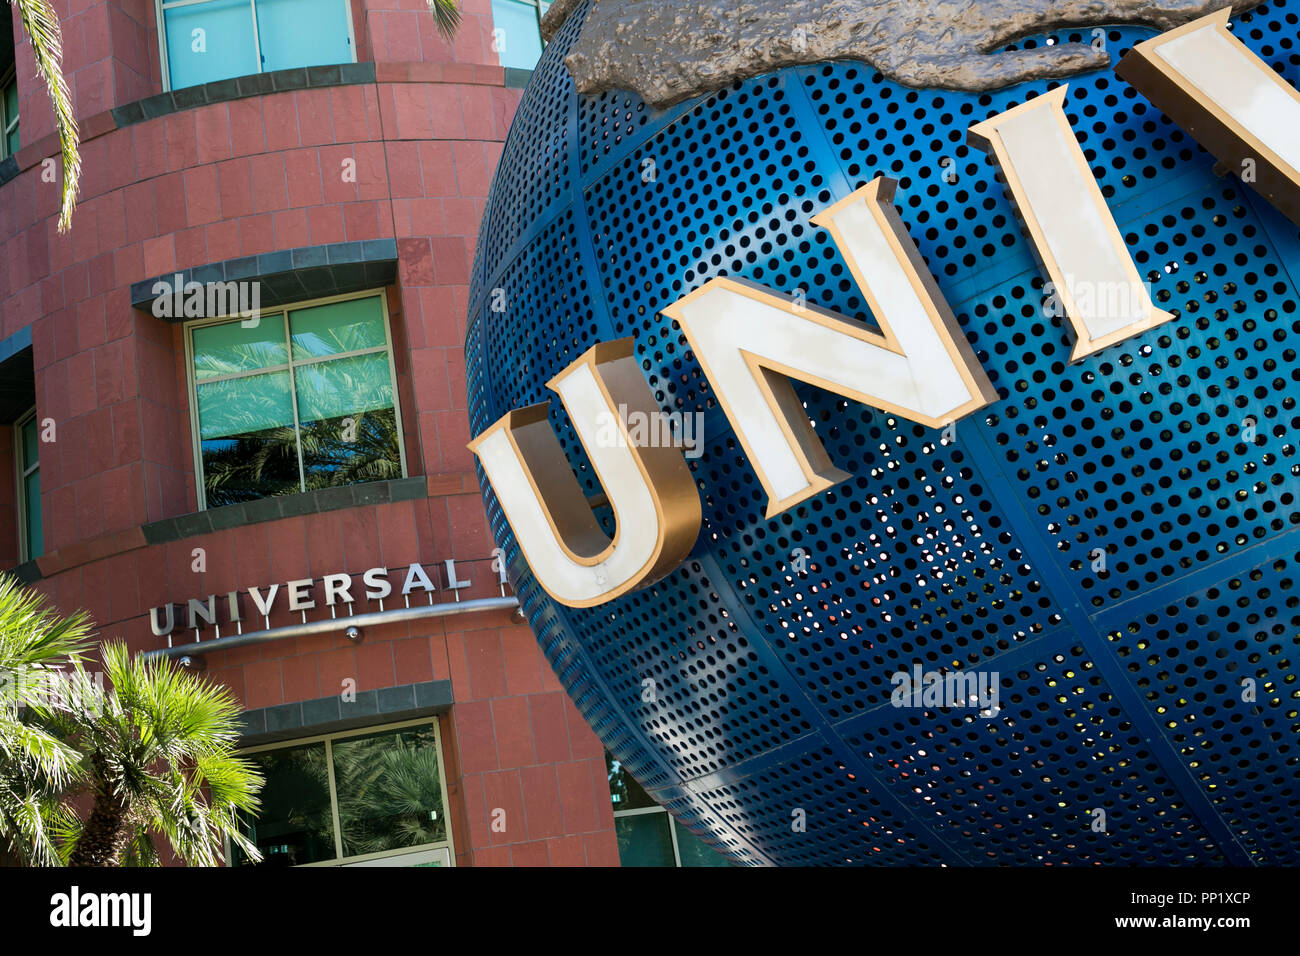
<point x="348" y="426"/>
<point x="343" y="450"/>
<point x="389" y="792"/>
<point x="268" y="430"/>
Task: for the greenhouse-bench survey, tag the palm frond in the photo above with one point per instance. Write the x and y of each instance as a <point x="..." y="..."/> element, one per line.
<point x="33" y="635"/>
<point x="65" y="828"/>
<point x="140" y="851"/>
<point x="42" y="26"/>
<point x="446" y="15"/>
<point x="42" y="752"/>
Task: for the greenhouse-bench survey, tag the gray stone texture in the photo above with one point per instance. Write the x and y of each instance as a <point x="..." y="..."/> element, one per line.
<point x="669" y="52"/>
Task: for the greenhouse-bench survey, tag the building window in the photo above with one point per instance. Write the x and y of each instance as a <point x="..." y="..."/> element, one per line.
<point x="8" y="85"/>
<point x="517" y="37"/>
<point x="368" y="798"/>
<point x="9" y="115"/>
<point x="294" y="400"/>
<point x="647" y="834"/>
<point x="27" y="442"/>
<point x="209" y="40"/>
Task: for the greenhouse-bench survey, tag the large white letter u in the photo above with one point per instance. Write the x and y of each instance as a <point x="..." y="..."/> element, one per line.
<point x="649" y="486"/>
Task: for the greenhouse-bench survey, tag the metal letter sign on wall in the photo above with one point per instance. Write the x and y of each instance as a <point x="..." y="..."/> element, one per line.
<point x="339" y="594"/>
<point x="1022" y="425"/>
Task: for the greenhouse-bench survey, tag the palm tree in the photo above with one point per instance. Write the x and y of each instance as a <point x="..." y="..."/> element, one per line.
<point x="35" y="765"/>
<point x="157" y="756"/>
<point x="42" y="27"/>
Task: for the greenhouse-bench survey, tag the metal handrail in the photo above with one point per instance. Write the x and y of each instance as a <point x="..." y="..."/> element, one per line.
<point x="329" y="625"/>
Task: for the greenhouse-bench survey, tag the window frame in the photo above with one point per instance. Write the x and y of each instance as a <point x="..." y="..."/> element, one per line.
<point x="20" y="477"/>
<point x="646" y="811"/>
<point x="672" y="830"/>
<point x="449" y="844"/>
<point x="161" y="27"/>
<point x="6" y="122"/>
<point x="196" y="441"/>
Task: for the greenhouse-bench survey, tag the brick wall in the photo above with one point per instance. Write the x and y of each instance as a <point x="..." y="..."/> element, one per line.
<point x="111" y="55"/>
<point x="223" y="181"/>
<point x="251" y="176"/>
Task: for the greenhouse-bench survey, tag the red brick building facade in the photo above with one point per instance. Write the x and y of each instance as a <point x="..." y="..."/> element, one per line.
<point x="235" y="173"/>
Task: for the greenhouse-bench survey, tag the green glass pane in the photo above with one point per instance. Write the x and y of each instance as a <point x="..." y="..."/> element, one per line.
<point x="339" y="327"/>
<point x="388" y="790"/>
<point x="31" y="444"/>
<point x="643" y="840"/>
<point x="624" y="792"/>
<point x="294" y="824"/>
<point x="692" y="851"/>
<point x="237" y="406"/>
<point x="32" y="503"/>
<point x="351" y="449"/>
<point x="9" y="118"/>
<point x="233" y="347"/>
<point x="248" y="443"/>
<point x="343" y="386"/>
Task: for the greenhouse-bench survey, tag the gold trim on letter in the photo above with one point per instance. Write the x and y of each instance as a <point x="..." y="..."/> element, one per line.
<point x="560" y="498"/>
<point x="772" y="376"/>
<point x="988" y="137"/>
<point x="1222" y="134"/>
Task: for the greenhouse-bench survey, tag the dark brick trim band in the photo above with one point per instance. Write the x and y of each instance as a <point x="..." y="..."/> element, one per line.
<point x="233" y="516"/>
<point x="241" y="87"/>
<point x="291" y="275"/>
<point x="256" y="84"/>
<point x="8" y="169"/>
<point x="26" y="573"/>
<point x="331" y="715"/>
<point x="285" y="506"/>
<point x="517" y="79"/>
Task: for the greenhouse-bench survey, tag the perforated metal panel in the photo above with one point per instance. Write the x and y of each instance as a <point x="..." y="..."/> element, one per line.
<point x="1109" y="538"/>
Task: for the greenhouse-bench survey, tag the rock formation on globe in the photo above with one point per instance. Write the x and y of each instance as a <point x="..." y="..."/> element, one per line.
<point x="668" y="52"/>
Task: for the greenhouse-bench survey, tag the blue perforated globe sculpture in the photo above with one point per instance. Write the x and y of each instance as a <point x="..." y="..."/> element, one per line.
<point x="1115" y="539"/>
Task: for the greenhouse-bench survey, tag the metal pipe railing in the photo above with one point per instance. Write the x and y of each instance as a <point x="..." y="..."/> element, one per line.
<point x="329" y="625"/>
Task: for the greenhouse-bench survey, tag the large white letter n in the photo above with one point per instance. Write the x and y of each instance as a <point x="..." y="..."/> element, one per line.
<point x="750" y="343"/>
<point x="650" y="488"/>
